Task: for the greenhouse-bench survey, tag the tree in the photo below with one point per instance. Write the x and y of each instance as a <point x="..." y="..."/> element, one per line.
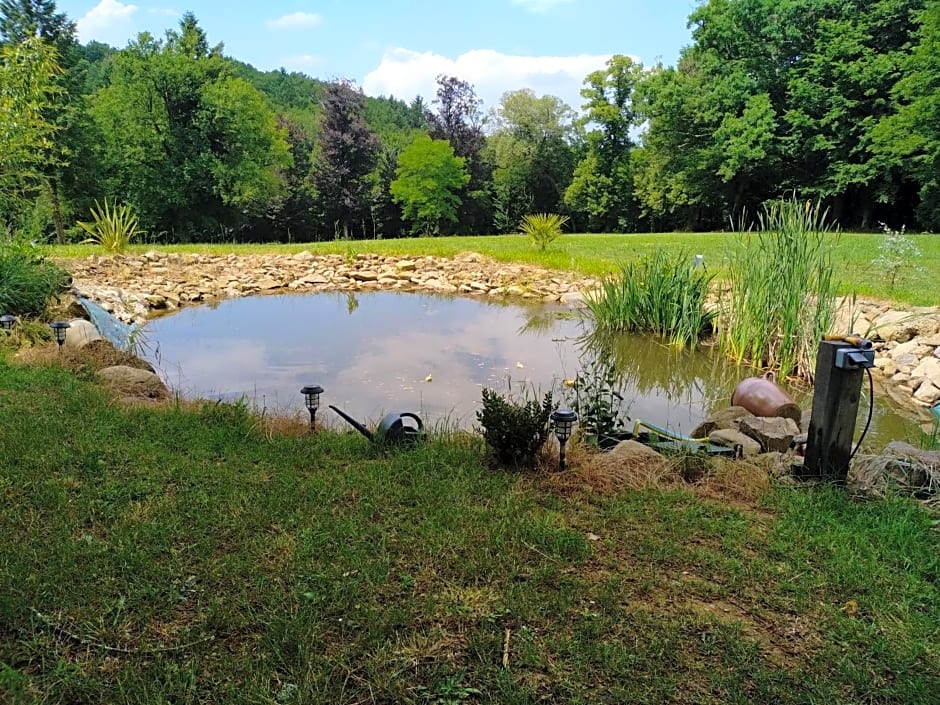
<point x="346" y="154"/>
<point x="28" y="72"/>
<point x="459" y="121"/>
<point x="429" y="179"/>
<point x="191" y="147"/>
<point x="910" y="137"/>
<point x="532" y="154"/>
<point x="22" y="19"/>
<point x="602" y="186"/>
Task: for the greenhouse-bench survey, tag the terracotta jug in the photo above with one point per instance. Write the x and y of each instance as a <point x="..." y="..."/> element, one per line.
<point x="762" y="397"/>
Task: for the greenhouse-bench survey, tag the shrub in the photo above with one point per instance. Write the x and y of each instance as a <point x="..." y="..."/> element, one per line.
<point x="543" y="228"/>
<point x="114" y="227"/>
<point x="895" y="253"/>
<point x="783" y="293"/>
<point x="27" y="279"/>
<point x="659" y="294"/>
<point x="514" y="431"/>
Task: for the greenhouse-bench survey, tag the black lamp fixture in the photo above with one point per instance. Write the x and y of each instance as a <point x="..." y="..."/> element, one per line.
<point x="564" y="421"/>
<point x="312" y="401"/>
<point x="7" y="321"/>
<point x="60" y="328"/>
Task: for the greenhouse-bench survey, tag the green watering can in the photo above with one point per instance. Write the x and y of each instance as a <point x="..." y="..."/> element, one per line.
<point x="391" y="430"/>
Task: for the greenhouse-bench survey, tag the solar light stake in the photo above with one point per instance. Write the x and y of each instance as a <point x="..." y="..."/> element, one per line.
<point x="564" y="421"/>
<point x="7" y="321"/>
<point x="60" y="328"/>
<point x="312" y="402"/>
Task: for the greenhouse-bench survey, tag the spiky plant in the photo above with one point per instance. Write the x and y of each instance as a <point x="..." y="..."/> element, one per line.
<point x="113" y="228"/>
<point x="542" y="228"/>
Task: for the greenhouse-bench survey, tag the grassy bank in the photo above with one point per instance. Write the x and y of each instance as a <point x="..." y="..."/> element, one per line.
<point x="600" y="254"/>
<point x="189" y="555"/>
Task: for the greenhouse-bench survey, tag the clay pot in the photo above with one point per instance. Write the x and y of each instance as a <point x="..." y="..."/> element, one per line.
<point x="762" y="397"/>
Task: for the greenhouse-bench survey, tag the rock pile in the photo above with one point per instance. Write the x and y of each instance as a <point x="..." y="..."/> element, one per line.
<point x="907" y="348"/>
<point x="133" y="287"/>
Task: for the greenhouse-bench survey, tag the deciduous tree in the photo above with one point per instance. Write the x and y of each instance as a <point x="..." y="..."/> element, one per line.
<point x="429" y="180"/>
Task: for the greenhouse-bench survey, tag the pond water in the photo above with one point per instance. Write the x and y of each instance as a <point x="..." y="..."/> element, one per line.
<point x="382" y="351"/>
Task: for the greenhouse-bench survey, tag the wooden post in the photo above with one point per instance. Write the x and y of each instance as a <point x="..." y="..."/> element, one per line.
<point x="836" y="396"/>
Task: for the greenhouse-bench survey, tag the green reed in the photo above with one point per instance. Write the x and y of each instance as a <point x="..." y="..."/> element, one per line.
<point x="660" y="293"/>
<point x="782" y="289"/>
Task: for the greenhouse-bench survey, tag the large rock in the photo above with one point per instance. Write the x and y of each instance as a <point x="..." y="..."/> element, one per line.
<point x="134" y="382"/>
<point x="731" y="438"/>
<point x="905" y="350"/>
<point x="773" y="434"/>
<point x="726" y="418"/>
<point x="928" y="393"/>
<point x="895" y="325"/>
<point x="929" y="367"/>
<point x="80" y="333"/>
<point x="633" y="450"/>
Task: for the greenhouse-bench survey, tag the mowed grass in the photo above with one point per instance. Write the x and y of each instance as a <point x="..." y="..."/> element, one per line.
<point x="187" y="555"/>
<point x="599" y="255"/>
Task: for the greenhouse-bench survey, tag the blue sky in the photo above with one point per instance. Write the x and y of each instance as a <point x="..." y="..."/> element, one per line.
<point x="398" y="47"/>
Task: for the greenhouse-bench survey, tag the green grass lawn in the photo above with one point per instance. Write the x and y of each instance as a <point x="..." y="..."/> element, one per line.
<point x="599" y="255"/>
<point x="190" y="556"/>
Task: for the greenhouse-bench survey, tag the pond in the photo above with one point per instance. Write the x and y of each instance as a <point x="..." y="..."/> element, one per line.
<point x="382" y="351"/>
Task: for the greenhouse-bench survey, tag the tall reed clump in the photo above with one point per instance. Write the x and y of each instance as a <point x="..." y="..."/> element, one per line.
<point x="659" y="294"/>
<point x="783" y="291"/>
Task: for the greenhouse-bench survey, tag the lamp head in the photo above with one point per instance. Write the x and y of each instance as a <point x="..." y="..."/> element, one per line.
<point x="312" y="396"/>
<point x="7" y="321"/>
<point x="564" y="421"/>
<point x="60" y="328"/>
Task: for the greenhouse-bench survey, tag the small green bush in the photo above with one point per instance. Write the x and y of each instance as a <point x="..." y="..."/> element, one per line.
<point x="514" y="431"/>
<point x="543" y="228"/>
<point x="659" y="294"/>
<point x="114" y="227"/>
<point x="27" y="279"/>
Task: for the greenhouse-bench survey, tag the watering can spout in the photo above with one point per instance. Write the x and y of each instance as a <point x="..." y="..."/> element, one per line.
<point x="355" y="424"/>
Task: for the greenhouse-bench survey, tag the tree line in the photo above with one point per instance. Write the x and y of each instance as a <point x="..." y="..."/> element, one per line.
<point x="836" y="100"/>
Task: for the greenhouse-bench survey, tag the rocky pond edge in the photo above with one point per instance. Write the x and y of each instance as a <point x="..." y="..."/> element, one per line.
<point x="135" y="288"/>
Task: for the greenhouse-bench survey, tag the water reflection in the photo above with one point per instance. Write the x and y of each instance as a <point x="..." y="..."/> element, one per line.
<point x="383" y="351"/>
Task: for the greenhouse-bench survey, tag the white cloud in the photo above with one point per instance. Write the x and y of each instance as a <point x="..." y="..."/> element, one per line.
<point x="164" y="12"/>
<point x="296" y="20"/>
<point x="405" y="73"/>
<point x="110" y="21"/>
<point x="539" y="5"/>
<point x="302" y="62"/>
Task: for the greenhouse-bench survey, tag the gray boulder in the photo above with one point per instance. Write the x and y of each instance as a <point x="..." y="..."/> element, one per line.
<point x="727" y="418"/>
<point x="134" y="382"/>
<point x="774" y="434"/>
<point x="730" y="437"/>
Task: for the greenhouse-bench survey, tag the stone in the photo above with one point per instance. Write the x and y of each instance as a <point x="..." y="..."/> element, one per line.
<point x="805" y="420"/>
<point x="904" y="350"/>
<point x="406" y="265"/>
<point x="314" y="278"/>
<point x="575" y="299"/>
<point x="773" y="434"/>
<point x="730" y="437"/>
<point x="895" y="325"/>
<point x="931" y="341"/>
<point x="776" y="465"/>
<point x="927" y="393"/>
<point x="267" y="284"/>
<point x="726" y="418"/>
<point x="364" y="275"/>
<point x="633" y="450"/>
<point x="929" y="367"/>
<point x="134" y="382"/>
<point x="80" y="333"/>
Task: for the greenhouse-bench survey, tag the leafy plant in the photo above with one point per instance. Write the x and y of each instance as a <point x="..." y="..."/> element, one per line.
<point x="113" y="228"/>
<point x="783" y="292"/>
<point x="27" y="279"/>
<point x="542" y="228"/>
<point x="895" y="253"/>
<point x="662" y="294"/>
<point x="598" y="400"/>
<point x="514" y="430"/>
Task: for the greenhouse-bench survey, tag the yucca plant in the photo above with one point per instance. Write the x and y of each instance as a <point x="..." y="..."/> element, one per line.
<point x="542" y="228"/>
<point x="783" y="292"/>
<point x="113" y="228"/>
<point x="659" y="294"/>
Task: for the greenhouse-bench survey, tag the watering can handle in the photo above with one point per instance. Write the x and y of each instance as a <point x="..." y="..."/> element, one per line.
<point x="417" y="418"/>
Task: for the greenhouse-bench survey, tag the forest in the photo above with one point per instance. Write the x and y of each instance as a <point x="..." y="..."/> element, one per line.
<point x="837" y="101"/>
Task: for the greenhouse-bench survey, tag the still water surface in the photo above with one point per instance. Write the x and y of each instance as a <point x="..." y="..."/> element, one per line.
<point x="383" y="351"/>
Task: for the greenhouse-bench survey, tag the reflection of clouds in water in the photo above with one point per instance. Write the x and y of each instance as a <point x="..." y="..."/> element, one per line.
<point x="376" y="356"/>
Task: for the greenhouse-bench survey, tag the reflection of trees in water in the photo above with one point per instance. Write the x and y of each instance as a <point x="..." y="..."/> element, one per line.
<point x="538" y="321"/>
<point x="646" y="366"/>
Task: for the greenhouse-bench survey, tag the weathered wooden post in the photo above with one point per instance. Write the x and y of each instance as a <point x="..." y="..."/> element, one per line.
<point x="839" y="370"/>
